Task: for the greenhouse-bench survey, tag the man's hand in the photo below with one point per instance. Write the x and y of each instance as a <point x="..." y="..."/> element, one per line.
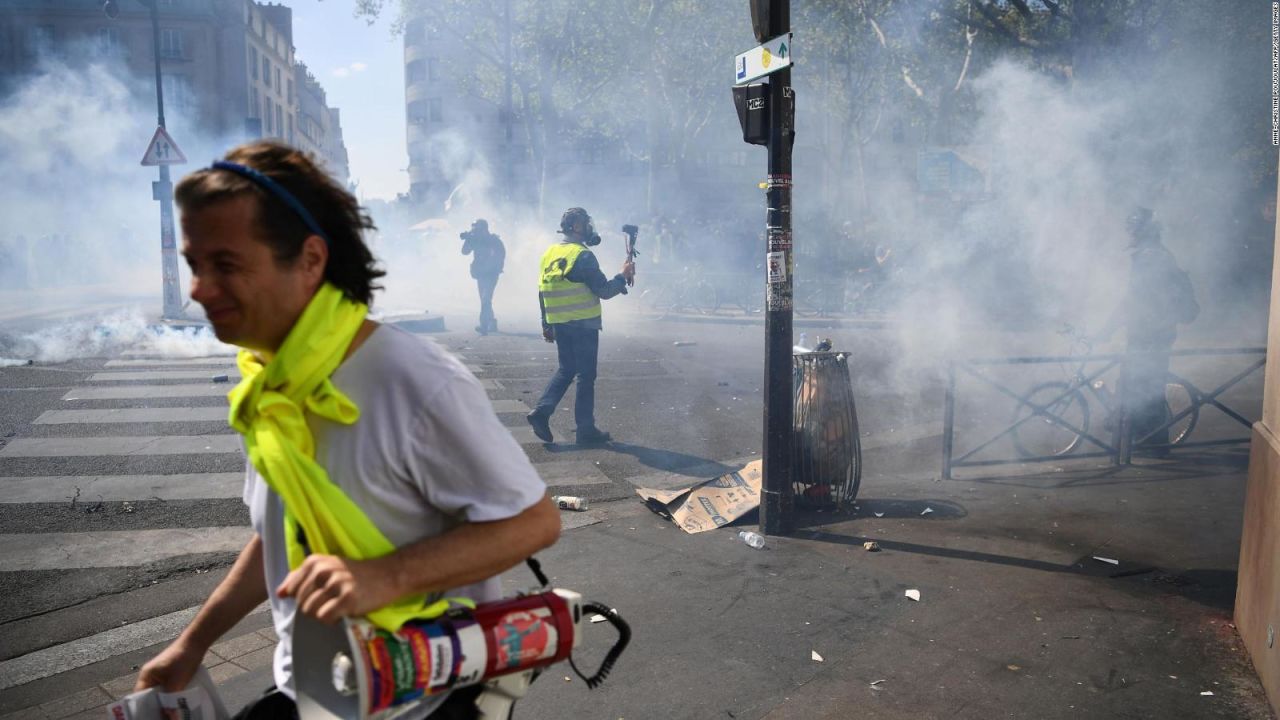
<point x="329" y="588"/>
<point x="171" y="670"/>
<point x="549" y="334"/>
<point x="629" y="272"/>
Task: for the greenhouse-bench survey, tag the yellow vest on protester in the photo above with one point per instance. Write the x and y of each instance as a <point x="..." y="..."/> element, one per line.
<point x="269" y="409"/>
<point x="564" y="300"/>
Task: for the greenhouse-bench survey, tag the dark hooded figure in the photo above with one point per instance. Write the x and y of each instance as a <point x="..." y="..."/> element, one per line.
<point x="1159" y="296"/>
<point x="489" y="255"/>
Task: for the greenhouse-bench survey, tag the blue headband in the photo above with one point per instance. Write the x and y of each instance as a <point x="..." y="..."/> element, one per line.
<point x="277" y="190"/>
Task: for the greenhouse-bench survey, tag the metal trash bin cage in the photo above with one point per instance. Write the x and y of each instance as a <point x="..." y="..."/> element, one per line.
<point x="827" y="455"/>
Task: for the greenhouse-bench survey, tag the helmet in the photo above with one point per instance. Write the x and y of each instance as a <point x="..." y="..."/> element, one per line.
<point x="571" y="217"/>
<point x="481" y="225"/>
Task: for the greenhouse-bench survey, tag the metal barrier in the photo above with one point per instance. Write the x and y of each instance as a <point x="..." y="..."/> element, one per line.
<point x="1072" y="392"/>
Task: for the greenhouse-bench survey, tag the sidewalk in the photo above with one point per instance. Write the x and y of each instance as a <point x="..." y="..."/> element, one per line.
<point x="1016" y="618"/>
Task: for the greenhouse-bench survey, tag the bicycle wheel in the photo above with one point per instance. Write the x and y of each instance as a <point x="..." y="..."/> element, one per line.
<point x="703" y="298"/>
<point x="1042" y="437"/>
<point x="1179" y="397"/>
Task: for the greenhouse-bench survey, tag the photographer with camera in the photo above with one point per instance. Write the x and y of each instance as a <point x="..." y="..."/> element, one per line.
<point x="489" y="254"/>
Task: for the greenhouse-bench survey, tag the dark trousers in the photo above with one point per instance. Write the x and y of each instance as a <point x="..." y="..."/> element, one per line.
<point x="1147" y="372"/>
<point x="487" y="284"/>
<point x="578" y="350"/>
<point x="275" y="705"/>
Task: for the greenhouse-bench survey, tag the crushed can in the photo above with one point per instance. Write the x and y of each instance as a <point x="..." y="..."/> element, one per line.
<point x="569" y="502"/>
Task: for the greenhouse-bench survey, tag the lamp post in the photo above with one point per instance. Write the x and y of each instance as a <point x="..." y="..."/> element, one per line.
<point x="162" y="190"/>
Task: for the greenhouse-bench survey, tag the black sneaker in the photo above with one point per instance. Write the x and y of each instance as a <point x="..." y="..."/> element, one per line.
<point x="540" y="426"/>
<point x="594" y="437"/>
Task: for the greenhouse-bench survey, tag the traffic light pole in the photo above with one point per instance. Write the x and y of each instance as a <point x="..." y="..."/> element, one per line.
<point x="776" y="491"/>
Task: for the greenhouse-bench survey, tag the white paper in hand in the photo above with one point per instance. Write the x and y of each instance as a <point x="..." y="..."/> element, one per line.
<point x="199" y="701"/>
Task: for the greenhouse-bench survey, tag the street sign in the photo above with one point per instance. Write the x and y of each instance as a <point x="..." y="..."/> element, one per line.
<point x="768" y="58"/>
<point x="163" y="150"/>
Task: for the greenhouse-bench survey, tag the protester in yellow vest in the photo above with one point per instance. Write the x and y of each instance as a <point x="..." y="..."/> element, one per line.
<point x="379" y="481"/>
<point x="570" y="289"/>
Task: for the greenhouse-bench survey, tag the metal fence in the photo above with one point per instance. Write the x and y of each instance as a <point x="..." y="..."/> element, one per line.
<point x="1067" y="407"/>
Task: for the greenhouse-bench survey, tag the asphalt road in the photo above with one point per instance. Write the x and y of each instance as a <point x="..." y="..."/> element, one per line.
<point x="119" y="496"/>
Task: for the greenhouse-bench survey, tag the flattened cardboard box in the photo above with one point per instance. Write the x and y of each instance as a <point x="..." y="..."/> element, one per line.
<point x="710" y="504"/>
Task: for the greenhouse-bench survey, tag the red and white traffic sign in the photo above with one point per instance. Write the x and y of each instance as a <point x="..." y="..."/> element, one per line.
<point x="163" y="150"/>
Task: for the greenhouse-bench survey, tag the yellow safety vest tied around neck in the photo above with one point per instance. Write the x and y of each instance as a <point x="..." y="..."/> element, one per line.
<point x="268" y="407"/>
<point x="564" y="300"/>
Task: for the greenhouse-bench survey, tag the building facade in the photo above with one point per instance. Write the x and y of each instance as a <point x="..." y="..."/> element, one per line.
<point x="451" y="133"/>
<point x="227" y="66"/>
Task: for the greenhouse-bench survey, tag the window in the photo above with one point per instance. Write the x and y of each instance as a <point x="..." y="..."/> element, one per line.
<point x="279" y="85"/>
<point x="416" y="72"/>
<point x="253" y="62"/>
<point x="417" y="112"/>
<point x="39" y="39"/>
<point x="266" y="71"/>
<point x="253" y="105"/>
<point x="171" y="43"/>
<point x="177" y="92"/>
<point x="435" y="110"/>
<point x="279" y="121"/>
<point x="433" y="68"/>
<point x="289" y="97"/>
<point x="266" y="114"/>
<point x="290" y="129"/>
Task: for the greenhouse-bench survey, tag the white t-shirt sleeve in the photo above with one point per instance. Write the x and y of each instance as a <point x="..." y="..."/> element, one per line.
<point x="465" y="462"/>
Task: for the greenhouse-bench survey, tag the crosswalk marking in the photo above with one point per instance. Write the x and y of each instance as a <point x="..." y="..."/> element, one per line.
<point x="146" y="392"/>
<point x="161" y="375"/>
<point x="141" y="445"/>
<point x="132" y="415"/>
<point x="114" y="488"/>
<point x="92" y="649"/>
<point x="114" y="548"/>
<point x="72" y="551"/>
<point x="228" y="361"/>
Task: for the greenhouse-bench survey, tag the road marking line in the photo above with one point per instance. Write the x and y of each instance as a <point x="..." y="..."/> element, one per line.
<point x="491" y="384"/>
<point x="96" y="648"/>
<point x="114" y="488"/>
<point x="227" y="361"/>
<point x="114" y="548"/>
<point x="133" y="415"/>
<point x="142" y="445"/>
<point x="162" y="375"/>
<point x="143" y="392"/>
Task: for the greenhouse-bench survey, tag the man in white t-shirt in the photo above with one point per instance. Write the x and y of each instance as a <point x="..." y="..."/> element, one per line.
<point x="427" y="462"/>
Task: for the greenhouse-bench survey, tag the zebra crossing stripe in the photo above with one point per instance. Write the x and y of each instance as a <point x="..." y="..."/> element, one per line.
<point x="115" y="446"/>
<point x="115" y="488"/>
<point x="113" y="548"/>
<point x="161" y="375"/>
<point x="133" y="415"/>
<point x="96" y="648"/>
<point x="146" y="392"/>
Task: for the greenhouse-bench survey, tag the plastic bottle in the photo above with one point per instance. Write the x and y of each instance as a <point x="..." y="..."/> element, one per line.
<point x="754" y="539"/>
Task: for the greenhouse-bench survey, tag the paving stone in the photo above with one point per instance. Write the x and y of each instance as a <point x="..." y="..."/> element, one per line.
<point x="242" y="645"/>
<point x="75" y="702"/>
